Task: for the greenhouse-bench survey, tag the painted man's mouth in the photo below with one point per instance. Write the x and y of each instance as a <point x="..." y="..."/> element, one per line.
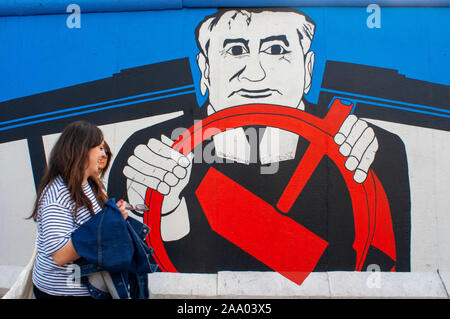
<point x="254" y="94"/>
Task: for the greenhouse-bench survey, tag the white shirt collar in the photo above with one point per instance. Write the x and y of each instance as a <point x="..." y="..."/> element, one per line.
<point x="276" y="144"/>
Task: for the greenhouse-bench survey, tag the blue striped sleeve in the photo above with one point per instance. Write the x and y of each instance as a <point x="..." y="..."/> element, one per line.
<point x="57" y="225"/>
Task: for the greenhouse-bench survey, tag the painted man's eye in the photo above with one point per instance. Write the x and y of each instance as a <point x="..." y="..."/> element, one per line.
<point x="275" y="49"/>
<point x="236" y="50"/>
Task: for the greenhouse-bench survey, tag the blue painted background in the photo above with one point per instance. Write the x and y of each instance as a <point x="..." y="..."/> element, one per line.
<point x="40" y="53"/>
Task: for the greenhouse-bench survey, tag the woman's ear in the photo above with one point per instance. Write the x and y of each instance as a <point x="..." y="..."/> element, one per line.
<point x="309" y="66"/>
<point x="204" y="69"/>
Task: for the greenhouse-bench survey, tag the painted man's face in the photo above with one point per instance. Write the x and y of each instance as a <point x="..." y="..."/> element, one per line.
<point x="256" y="59"/>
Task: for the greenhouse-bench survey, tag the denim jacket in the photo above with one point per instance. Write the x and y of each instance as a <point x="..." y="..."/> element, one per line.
<point x="114" y="255"/>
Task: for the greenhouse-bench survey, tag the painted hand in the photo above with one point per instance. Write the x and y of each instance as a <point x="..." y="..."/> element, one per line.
<point x="359" y="144"/>
<point x="159" y="167"/>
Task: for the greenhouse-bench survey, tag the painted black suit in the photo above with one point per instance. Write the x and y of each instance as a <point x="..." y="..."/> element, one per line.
<point x="324" y="206"/>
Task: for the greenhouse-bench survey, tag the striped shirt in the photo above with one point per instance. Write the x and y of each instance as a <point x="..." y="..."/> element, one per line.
<point x="55" y="225"/>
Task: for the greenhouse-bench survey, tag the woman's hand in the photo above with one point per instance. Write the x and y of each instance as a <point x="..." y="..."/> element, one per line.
<point x="122" y="204"/>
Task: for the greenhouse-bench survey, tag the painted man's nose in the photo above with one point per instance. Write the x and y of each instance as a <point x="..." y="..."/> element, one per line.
<point x="253" y="71"/>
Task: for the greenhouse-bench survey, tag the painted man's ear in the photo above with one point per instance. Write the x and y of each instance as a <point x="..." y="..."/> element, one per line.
<point x="309" y="66"/>
<point x="204" y="69"/>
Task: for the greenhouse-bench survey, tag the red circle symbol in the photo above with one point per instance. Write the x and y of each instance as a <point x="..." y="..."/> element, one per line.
<point x="373" y="225"/>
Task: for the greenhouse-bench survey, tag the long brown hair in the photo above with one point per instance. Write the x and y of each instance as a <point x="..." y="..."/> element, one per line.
<point x="68" y="159"/>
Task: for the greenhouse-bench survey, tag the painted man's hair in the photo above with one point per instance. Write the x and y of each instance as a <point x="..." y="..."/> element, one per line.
<point x="305" y="29"/>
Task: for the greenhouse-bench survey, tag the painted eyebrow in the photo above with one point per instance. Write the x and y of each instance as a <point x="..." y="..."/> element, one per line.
<point x="274" y="38"/>
<point x="239" y="40"/>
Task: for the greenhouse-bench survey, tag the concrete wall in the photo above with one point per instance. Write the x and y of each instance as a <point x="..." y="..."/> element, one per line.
<point x="137" y="75"/>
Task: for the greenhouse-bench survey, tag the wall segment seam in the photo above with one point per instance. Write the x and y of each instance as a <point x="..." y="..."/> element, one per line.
<point x="33" y="7"/>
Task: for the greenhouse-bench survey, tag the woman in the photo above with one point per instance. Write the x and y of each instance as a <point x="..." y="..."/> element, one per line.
<point x="69" y="194"/>
<point x="104" y="165"/>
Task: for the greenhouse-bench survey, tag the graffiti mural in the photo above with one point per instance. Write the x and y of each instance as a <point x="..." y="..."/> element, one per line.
<point x="255" y="177"/>
<point x="267" y="192"/>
